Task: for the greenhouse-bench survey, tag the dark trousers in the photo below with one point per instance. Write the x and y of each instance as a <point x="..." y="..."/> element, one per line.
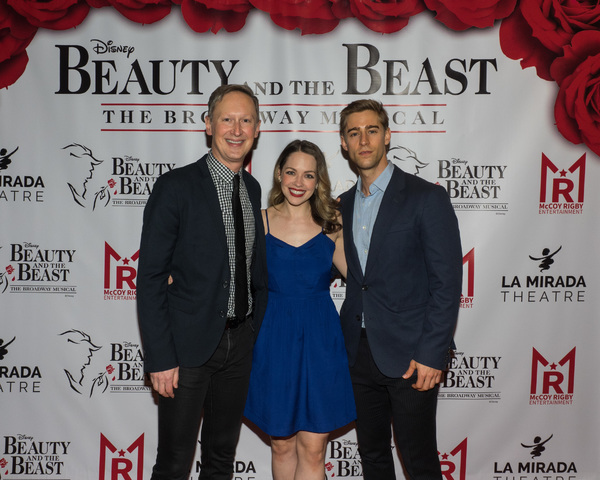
<point x="381" y="400"/>
<point x="220" y="386"/>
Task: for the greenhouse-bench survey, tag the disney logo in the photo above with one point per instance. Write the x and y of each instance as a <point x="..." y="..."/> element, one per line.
<point x="131" y="159"/>
<point x="109" y="47"/>
<point x="458" y="160"/>
<point x="30" y="245"/>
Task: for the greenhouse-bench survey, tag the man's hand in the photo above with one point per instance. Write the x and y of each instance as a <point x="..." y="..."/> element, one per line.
<point x="165" y="382"/>
<point x="427" y="377"/>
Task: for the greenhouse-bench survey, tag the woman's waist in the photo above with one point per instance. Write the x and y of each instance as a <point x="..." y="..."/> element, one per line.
<point x="300" y="295"/>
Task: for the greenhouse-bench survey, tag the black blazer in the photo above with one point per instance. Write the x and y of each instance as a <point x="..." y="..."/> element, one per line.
<point x="183" y="235"/>
<point x="410" y="292"/>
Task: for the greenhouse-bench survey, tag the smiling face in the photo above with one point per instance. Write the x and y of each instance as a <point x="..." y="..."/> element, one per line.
<point x="298" y="178"/>
<point x="365" y="139"/>
<point x="234" y="126"/>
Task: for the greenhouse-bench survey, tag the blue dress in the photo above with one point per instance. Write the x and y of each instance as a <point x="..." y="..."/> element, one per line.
<point x="300" y="378"/>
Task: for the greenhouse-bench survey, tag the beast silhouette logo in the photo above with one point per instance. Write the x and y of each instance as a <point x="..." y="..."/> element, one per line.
<point x="122" y="181"/>
<point x="406" y="159"/>
<point x="83" y="375"/>
<point x="94" y="190"/>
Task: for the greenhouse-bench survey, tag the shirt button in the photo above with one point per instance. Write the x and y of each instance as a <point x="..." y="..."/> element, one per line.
<point x="365" y="287"/>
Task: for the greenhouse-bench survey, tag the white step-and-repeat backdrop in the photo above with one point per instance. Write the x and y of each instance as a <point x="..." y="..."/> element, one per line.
<point x="93" y="115"/>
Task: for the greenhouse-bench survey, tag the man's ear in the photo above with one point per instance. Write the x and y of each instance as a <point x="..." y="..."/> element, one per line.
<point x="208" y="126"/>
<point x="343" y="141"/>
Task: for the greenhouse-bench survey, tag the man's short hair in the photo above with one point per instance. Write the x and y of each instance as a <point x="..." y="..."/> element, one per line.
<point x="361" y="106"/>
<point x="220" y="92"/>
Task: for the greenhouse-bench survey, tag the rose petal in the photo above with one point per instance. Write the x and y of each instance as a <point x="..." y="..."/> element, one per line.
<point x="518" y="43"/>
<point x="12" y="69"/>
<point x="52" y="14"/>
<point x="202" y="19"/>
<point x="463" y="14"/>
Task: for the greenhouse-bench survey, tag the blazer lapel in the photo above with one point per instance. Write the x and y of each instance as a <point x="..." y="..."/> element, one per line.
<point x="390" y="204"/>
<point x="349" y="245"/>
<point x="208" y="191"/>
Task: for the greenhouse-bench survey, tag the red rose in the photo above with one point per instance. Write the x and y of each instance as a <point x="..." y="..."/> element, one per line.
<point x="538" y="30"/>
<point x="15" y="35"/>
<point x="213" y="15"/>
<point x="141" y="11"/>
<point x="12" y="69"/>
<point x="382" y="17"/>
<point x="577" y="106"/>
<point x="98" y="3"/>
<point x="52" y="14"/>
<point x="463" y="14"/>
<point x="315" y="16"/>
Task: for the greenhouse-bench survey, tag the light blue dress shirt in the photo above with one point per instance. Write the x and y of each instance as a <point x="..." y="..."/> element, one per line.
<point x="366" y="209"/>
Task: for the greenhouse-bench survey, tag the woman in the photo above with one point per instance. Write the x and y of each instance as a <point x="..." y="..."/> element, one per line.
<point x="300" y="388"/>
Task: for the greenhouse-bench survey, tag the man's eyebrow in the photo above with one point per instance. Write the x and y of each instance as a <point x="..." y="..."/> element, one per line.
<point x="367" y="127"/>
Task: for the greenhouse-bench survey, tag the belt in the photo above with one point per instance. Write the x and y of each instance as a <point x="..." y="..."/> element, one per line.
<point x="234" y="322"/>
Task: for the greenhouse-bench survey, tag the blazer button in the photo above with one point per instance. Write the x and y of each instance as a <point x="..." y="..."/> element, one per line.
<point x="222" y="314"/>
<point x="365" y="287"/>
<point x="225" y="284"/>
<point x="358" y="319"/>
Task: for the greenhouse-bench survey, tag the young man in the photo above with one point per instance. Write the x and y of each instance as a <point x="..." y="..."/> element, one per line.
<point x="404" y="279"/>
<point x="197" y="339"/>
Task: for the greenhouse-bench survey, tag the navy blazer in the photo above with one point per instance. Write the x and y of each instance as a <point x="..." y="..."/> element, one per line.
<point x="183" y="235"/>
<point x="410" y="291"/>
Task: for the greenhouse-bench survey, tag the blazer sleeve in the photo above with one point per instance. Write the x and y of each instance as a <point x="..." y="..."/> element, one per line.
<point x="159" y="237"/>
<point x="440" y="240"/>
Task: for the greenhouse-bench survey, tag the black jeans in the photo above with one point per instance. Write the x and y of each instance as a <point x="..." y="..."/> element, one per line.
<point x="220" y="386"/>
<point x="381" y="400"/>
